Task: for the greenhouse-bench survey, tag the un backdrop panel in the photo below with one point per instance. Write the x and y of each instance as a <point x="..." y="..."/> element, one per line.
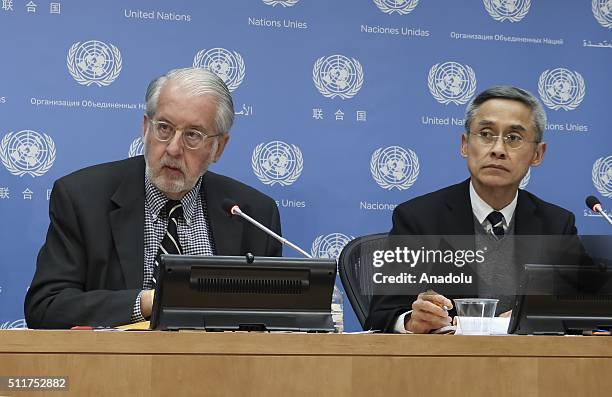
<point x="344" y="109"/>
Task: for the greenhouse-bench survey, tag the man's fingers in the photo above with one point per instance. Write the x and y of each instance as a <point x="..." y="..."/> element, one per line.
<point x="439" y="300"/>
<point x="428" y="312"/>
<point x="430" y="319"/>
<point x="424" y="326"/>
<point x="429" y="307"/>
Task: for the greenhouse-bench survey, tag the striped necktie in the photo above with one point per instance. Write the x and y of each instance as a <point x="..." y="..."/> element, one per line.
<point x="496" y="219"/>
<point x="170" y="242"/>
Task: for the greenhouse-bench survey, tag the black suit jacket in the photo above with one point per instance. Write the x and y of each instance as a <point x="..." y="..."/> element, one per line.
<point x="448" y="212"/>
<point x="90" y="269"/>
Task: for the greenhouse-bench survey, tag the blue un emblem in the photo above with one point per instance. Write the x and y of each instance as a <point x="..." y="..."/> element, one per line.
<point x="394" y="167"/>
<point x="277" y="163"/>
<point x="94" y="62"/>
<point x="284" y="3"/>
<point x="401" y="7"/>
<point x="27" y="152"/>
<point x="602" y="176"/>
<point x="329" y="246"/>
<point x="602" y="11"/>
<point x="507" y="10"/>
<point x="228" y="65"/>
<point x="561" y="89"/>
<point x="337" y="76"/>
<point x="451" y="82"/>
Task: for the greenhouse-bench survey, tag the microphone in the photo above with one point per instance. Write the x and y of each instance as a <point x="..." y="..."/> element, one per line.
<point x="233" y="208"/>
<point x="594" y="205"/>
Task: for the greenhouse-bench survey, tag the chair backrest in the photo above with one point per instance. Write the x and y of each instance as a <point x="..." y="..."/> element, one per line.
<point x="356" y="270"/>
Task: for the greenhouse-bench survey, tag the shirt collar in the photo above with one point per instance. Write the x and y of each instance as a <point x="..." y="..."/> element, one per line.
<point x="481" y="209"/>
<point x="156" y="199"/>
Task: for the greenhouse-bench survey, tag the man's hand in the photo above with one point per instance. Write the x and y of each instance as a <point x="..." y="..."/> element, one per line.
<point x="146" y="302"/>
<point x="428" y="313"/>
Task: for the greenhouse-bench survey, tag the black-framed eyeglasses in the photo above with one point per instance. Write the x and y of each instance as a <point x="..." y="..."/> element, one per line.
<point x="513" y="140"/>
<point x="192" y="138"/>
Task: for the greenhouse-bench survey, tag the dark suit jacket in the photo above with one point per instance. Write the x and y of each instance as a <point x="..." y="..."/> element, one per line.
<point x="90" y="269"/>
<point x="449" y="212"/>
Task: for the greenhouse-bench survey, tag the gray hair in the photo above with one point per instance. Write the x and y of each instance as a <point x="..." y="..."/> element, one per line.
<point x="508" y="92"/>
<point x="196" y="82"/>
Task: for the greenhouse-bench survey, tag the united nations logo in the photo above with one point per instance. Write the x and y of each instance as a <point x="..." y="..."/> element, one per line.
<point x="228" y="65"/>
<point x="602" y="11"/>
<point x="602" y="176"/>
<point x="507" y="10"/>
<point x="17" y="324"/>
<point x="329" y="246"/>
<point x="525" y="180"/>
<point x="561" y="89"/>
<point x="394" y="167"/>
<point x="451" y="82"/>
<point x="27" y="152"/>
<point x="337" y="75"/>
<point x="136" y="148"/>
<point x="94" y="62"/>
<point x="277" y="162"/>
<point x="402" y="7"/>
<point x="284" y="3"/>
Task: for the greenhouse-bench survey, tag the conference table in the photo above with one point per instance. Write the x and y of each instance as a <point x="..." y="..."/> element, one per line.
<point x="193" y="363"/>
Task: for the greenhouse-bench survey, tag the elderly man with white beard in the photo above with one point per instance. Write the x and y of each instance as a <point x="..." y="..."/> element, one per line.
<point x="110" y="223"/>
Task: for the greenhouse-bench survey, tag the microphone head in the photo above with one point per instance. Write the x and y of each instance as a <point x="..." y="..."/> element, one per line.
<point x="591" y="202"/>
<point x="228" y="206"/>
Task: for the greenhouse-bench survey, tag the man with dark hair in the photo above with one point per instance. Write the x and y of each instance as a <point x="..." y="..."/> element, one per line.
<point x="503" y="137"/>
<point x="111" y="222"/>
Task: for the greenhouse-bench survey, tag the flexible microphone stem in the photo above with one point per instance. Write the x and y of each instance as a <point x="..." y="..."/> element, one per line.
<point x="235" y="210"/>
<point x="603" y="213"/>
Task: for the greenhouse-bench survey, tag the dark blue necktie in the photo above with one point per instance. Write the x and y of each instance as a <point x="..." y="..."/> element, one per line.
<point x="496" y="219"/>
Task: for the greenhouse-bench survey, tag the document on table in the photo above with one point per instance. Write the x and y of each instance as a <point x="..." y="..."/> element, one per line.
<point x="499" y="326"/>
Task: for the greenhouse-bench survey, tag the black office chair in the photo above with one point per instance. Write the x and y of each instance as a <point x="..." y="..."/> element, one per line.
<point x="356" y="270"/>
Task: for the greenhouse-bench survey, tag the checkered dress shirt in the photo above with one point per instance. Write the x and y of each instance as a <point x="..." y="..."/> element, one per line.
<point x="193" y="230"/>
